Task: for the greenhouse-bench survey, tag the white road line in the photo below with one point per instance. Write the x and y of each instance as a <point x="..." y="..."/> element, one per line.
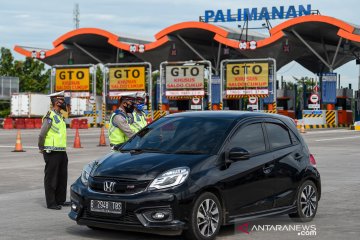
<point x="5" y="146"/>
<point x="329" y="131"/>
<point x="332" y="139"/>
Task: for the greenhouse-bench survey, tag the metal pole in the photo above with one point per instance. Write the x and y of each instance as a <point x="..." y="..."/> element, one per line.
<point x="104" y="92"/>
<point x="150" y="91"/>
<point x="160" y="87"/>
<point x="94" y="95"/>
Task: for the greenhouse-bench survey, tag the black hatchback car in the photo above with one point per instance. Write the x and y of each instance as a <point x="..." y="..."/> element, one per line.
<point x="193" y="172"/>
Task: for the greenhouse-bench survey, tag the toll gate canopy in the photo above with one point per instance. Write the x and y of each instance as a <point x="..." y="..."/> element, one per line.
<point x="318" y="43"/>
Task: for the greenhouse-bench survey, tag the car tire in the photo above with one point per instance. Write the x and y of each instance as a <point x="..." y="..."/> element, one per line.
<point x="205" y="218"/>
<point x="306" y="202"/>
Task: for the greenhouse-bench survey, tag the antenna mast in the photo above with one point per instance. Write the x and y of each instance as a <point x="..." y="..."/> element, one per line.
<point x="76" y="16"/>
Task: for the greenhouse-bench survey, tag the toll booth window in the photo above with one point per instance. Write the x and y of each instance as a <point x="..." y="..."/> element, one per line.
<point x="278" y="135"/>
<point x="250" y="138"/>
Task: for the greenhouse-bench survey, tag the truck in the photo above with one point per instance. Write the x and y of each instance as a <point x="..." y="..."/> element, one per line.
<point x="29" y="105"/>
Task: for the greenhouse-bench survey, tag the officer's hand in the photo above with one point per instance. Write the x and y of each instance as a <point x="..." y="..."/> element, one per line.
<point x="41" y="151"/>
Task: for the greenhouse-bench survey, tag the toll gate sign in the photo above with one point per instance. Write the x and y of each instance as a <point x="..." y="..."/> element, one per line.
<point x="127" y="78"/>
<point x="72" y="79"/>
<point x="184" y="77"/>
<point x="247" y="75"/>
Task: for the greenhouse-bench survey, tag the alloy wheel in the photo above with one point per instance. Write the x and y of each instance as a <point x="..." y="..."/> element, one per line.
<point x="308" y="201"/>
<point x="208" y="217"/>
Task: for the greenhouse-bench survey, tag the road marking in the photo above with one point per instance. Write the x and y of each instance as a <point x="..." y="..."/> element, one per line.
<point x="332" y="139"/>
<point x="5" y="146"/>
<point x="329" y="131"/>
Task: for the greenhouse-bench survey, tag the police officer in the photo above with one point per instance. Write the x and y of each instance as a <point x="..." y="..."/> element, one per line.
<point x="138" y="115"/>
<point x="52" y="144"/>
<point x="120" y="121"/>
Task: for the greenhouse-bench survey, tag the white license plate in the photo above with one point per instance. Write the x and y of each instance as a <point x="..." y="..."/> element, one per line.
<point x="106" y="206"/>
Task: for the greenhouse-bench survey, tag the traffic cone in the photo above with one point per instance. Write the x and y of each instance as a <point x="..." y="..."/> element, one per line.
<point x="18" y="145"/>
<point x="102" y="142"/>
<point x="302" y="130"/>
<point x="77" y="143"/>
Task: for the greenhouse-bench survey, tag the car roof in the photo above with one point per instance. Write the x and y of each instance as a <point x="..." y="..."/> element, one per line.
<point x="226" y="114"/>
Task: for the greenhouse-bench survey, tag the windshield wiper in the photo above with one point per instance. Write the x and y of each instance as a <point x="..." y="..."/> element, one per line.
<point x="189" y="152"/>
<point x="141" y="150"/>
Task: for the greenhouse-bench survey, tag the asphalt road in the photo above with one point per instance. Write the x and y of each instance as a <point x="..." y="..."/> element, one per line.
<point x="23" y="214"/>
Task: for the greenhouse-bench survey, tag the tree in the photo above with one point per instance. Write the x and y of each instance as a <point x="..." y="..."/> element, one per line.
<point x="99" y="80"/>
<point x="32" y="74"/>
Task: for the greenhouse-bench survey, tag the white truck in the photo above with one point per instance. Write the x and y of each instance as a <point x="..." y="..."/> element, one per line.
<point x="29" y="105"/>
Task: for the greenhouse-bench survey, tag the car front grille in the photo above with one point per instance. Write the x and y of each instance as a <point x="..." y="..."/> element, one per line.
<point x="122" y="186"/>
<point x="127" y="218"/>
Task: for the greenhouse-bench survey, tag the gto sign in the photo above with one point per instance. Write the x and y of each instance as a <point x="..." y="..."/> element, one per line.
<point x="241" y="75"/>
<point x="72" y="79"/>
<point x="185" y="77"/>
<point x="127" y="78"/>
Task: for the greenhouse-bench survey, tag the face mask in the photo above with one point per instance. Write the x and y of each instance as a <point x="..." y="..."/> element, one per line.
<point x="129" y="108"/>
<point x="62" y="106"/>
<point x="140" y="107"/>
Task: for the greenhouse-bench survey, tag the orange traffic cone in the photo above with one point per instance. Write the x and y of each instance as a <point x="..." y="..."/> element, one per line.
<point x="18" y="145"/>
<point x="102" y="141"/>
<point x="302" y="130"/>
<point x="77" y="143"/>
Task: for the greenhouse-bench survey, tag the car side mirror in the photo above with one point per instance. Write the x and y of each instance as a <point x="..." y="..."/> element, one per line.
<point x="238" y="154"/>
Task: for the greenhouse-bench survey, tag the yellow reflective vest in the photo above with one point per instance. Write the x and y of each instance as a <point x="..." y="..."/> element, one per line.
<point x="116" y="136"/>
<point x="139" y="121"/>
<point x="55" y="139"/>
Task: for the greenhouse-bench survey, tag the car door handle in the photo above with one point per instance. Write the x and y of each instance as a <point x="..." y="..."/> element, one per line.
<point x="298" y="156"/>
<point x="268" y="168"/>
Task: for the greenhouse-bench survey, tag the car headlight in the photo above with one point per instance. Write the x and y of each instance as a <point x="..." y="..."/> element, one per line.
<point x="171" y="178"/>
<point x="86" y="172"/>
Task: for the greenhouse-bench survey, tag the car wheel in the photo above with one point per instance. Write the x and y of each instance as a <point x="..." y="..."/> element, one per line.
<point x="307" y="202"/>
<point x="205" y="218"/>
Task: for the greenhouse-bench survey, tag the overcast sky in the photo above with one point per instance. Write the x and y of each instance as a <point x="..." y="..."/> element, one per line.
<point x="38" y="23"/>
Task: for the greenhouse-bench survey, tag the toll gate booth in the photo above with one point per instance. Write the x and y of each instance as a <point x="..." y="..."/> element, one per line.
<point x="248" y="84"/>
<point x="126" y="79"/>
<point x="285" y="102"/>
<point x="78" y="81"/>
<point x="184" y="86"/>
<point x="344" y="98"/>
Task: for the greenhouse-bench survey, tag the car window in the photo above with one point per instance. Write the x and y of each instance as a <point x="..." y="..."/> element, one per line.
<point x="198" y="135"/>
<point x="278" y="135"/>
<point x="250" y="138"/>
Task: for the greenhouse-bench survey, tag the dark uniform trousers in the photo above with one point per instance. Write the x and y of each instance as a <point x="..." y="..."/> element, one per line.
<point x="55" y="180"/>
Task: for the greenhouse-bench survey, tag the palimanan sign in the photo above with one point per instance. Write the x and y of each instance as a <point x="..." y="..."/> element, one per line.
<point x="251" y="14"/>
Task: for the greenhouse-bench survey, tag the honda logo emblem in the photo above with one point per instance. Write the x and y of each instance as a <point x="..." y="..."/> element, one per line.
<point x="109" y="186"/>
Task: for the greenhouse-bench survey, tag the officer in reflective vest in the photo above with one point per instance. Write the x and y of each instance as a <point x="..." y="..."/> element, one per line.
<point x="139" y="115"/>
<point x="52" y="144"/>
<point x="120" y="122"/>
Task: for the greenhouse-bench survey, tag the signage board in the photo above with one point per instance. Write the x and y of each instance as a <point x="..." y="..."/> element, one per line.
<point x="314" y="98"/>
<point x="252" y="100"/>
<point x="260" y="14"/>
<point x="247" y="91"/>
<point x="185" y="93"/>
<point x="184" y="77"/>
<point x="127" y="78"/>
<point x="313" y="106"/>
<point x="72" y="79"/>
<point x="247" y="75"/>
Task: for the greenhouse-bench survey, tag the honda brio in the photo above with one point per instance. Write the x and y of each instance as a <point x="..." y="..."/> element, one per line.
<point x="193" y="172"/>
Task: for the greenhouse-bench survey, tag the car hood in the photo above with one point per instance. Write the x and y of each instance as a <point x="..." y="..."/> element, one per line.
<point x="143" y="166"/>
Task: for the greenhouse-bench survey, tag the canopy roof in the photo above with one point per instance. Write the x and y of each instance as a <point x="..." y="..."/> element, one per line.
<point x="318" y="43"/>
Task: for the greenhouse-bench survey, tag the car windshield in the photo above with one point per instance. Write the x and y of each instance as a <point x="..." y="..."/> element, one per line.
<point x="181" y="135"/>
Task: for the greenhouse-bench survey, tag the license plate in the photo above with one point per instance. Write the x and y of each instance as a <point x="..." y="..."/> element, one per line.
<point x="106" y="207"/>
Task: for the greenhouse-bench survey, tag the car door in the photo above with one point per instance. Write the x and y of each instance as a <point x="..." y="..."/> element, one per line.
<point x="287" y="154"/>
<point x="247" y="184"/>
